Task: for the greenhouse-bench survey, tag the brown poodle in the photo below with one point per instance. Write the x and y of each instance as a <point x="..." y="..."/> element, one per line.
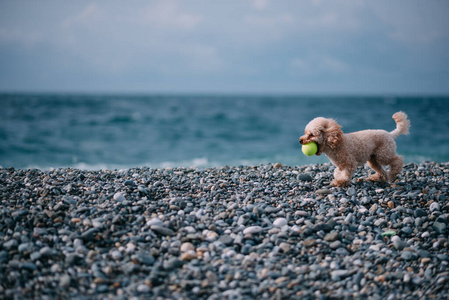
<point x="347" y="151"/>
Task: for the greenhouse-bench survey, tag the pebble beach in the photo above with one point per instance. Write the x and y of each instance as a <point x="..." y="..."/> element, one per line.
<point x="247" y="232"/>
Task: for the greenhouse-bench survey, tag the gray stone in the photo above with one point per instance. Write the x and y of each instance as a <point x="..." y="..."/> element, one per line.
<point x="398" y="244"/>
<point x="335" y="245"/>
<point x="226" y="239"/>
<point x="338" y="275"/>
<point x="351" y="192"/>
<point x="11" y="244"/>
<point x="331" y="236"/>
<point x="305" y="177"/>
<point x="162" y="230"/>
<point x="439" y="227"/>
<point x="65" y="280"/>
<point x="89" y="234"/>
<point x="407" y="255"/>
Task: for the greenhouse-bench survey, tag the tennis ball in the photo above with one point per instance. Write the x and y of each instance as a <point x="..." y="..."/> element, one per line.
<point x="309" y="149"/>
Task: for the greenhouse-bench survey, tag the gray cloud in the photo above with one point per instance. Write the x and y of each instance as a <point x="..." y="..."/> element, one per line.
<point x="225" y="46"/>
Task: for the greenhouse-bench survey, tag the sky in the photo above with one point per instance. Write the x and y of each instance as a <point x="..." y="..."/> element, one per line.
<point x="234" y="46"/>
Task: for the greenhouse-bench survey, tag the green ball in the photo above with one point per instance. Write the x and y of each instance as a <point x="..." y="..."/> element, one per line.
<point x="309" y="149"/>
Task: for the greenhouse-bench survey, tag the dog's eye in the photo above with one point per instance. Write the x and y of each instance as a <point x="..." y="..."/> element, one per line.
<point x="311" y="135"/>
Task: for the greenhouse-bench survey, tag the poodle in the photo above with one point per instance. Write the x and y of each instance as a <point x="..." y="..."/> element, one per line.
<point x="347" y="151"/>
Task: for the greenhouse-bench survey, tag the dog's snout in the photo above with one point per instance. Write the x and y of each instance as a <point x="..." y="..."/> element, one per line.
<point x="301" y="141"/>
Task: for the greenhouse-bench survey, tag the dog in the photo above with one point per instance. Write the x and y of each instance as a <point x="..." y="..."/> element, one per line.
<point x="347" y="151"/>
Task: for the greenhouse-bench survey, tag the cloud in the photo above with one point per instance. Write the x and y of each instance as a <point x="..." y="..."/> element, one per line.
<point x="87" y="15"/>
<point x="260" y="4"/>
<point x="220" y="44"/>
<point x="270" y="21"/>
<point x="17" y="35"/>
<point x="417" y="22"/>
<point x="316" y="64"/>
<point x="168" y="13"/>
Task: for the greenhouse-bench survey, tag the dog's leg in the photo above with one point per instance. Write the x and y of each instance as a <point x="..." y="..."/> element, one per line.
<point x="343" y="177"/>
<point x="381" y="174"/>
<point x="337" y="175"/>
<point x="395" y="167"/>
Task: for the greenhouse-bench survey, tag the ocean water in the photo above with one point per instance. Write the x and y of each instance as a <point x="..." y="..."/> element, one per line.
<point x="122" y="131"/>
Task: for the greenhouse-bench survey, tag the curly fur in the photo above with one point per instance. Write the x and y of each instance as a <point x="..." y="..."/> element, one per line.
<point x="347" y="151"/>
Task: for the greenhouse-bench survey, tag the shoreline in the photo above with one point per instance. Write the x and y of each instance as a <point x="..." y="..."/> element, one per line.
<point x="230" y="232"/>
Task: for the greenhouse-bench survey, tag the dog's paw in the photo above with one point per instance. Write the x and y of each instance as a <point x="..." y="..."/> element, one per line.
<point x="377" y="177"/>
<point x="340" y="183"/>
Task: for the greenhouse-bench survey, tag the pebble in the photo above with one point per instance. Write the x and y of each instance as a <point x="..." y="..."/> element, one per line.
<point x="407" y="255"/>
<point x="65" y="280"/>
<point x="143" y="288"/>
<point x="252" y="230"/>
<point x="189" y="255"/>
<point x="187" y="247"/>
<point x="267" y="231"/>
<point x="435" y="206"/>
<point x="11" y="244"/>
<point x="280" y="222"/>
<point x="439" y="227"/>
<point x="338" y="275"/>
<point x="144" y="258"/>
<point x="116" y="255"/>
<point x="398" y="244"/>
<point x="335" y="245"/>
<point x="305" y="177"/>
<point x="162" y="230"/>
<point x="331" y="236"/>
<point x="226" y="239"/>
<point x="351" y="192"/>
<point x="119" y="197"/>
<point x="285" y="247"/>
<point x="155" y="221"/>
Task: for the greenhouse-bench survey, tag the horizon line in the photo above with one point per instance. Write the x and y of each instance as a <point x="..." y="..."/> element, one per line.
<point x="229" y="94"/>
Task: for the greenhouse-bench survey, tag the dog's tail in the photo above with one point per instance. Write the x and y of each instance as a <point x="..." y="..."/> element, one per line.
<point x="402" y="124"/>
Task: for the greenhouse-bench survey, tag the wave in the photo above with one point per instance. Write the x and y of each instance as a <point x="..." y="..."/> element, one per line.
<point x="204" y="163"/>
<point x="195" y="163"/>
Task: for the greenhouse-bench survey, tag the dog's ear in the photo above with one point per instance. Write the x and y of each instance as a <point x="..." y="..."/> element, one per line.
<point x="333" y="133"/>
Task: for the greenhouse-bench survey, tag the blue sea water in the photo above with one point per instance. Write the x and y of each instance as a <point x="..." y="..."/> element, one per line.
<point x="120" y="131"/>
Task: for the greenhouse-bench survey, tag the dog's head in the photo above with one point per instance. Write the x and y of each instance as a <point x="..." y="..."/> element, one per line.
<point x="324" y="132"/>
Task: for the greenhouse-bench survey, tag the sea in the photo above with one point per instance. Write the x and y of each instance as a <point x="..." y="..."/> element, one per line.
<point x="95" y="131"/>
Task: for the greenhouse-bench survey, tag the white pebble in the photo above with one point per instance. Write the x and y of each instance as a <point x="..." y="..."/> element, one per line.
<point x="155" y="221"/>
<point x="116" y="254"/>
<point x="143" y="288"/>
<point x="279" y="222"/>
<point x="119" y="197"/>
<point x="252" y="230"/>
<point x="130" y="248"/>
<point x="187" y="247"/>
<point x="434" y="206"/>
